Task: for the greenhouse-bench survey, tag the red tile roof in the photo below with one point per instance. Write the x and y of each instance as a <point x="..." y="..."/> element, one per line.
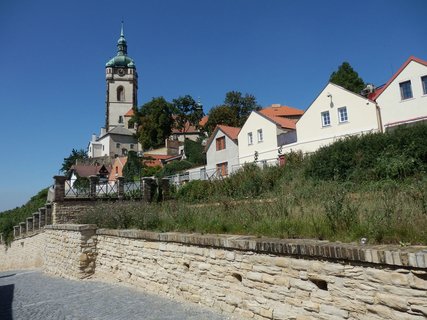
<point x="281" y="111"/>
<point x="231" y="132"/>
<point x="285" y="123"/>
<point x="130" y="113"/>
<point x="377" y="93"/>
<point x="203" y="121"/>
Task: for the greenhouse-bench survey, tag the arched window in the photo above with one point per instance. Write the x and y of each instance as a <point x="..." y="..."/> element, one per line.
<point x="120" y="94"/>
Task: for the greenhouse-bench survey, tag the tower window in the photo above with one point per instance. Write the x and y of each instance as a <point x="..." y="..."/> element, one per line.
<point x="120" y="119"/>
<point x="120" y="94"/>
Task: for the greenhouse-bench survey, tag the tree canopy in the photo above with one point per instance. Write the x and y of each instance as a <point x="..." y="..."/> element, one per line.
<point x="133" y="166"/>
<point x="155" y="122"/>
<point x="234" y="112"/>
<point x="71" y="159"/>
<point x="186" y="111"/>
<point x="347" y="78"/>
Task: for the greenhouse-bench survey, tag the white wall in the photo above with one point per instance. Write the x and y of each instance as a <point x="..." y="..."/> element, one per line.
<point x="311" y="135"/>
<point x="393" y="108"/>
<point x="267" y="149"/>
<point x="230" y="154"/>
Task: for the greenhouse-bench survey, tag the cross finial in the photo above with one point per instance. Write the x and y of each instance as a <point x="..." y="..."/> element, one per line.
<point x="121" y="31"/>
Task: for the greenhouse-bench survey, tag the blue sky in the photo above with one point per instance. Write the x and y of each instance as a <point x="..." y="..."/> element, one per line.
<point x="53" y="55"/>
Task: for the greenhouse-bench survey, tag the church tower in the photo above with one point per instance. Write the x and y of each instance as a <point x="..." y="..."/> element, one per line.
<point x="122" y="86"/>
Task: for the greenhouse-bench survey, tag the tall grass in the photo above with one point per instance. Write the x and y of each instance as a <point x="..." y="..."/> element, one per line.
<point x="283" y="202"/>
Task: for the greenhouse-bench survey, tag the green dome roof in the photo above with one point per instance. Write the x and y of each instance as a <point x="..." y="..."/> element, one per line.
<point x="121" y="59"/>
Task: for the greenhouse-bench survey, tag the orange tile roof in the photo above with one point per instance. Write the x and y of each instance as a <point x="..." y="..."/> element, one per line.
<point x="377" y="93"/>
<point x="203" y="121"/>
<point x="130" y="113"/>
<point x="283" y="122"/>
<point x="281" y="111"/>
<point x="231" y="132"/>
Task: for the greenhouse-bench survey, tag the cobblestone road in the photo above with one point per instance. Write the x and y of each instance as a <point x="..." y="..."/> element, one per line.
<point x="33" y="295"/>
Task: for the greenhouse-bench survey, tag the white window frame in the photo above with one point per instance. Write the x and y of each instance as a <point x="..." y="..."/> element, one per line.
<point x="260" y="135"/>
<point x="250" y="138"/>
<point x="341" y="113"/>
<point x="323" y="117"/>
<point x="401" y="86"/>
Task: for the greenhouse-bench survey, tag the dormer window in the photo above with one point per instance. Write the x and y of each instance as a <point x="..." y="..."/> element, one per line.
<point x="120" y="94"/>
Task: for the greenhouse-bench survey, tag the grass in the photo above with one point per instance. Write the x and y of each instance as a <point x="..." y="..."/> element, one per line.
<point x="289" y="206"/>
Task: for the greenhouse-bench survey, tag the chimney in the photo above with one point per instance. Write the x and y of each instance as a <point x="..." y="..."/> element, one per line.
<point x="103" y="131"/>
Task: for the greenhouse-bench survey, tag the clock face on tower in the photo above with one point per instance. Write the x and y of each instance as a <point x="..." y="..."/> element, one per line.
<point x="121" y="72"/>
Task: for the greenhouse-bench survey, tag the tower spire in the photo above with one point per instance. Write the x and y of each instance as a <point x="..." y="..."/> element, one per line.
<point x="122" y="48"/>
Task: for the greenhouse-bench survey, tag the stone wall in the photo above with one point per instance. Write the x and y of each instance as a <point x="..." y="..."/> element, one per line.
<point x="270" y="279"/>
<point x="252" y="278"/>
<point x="68" y="212"/>
<point x="70" y="250"/>
<point x="24" y="253"/>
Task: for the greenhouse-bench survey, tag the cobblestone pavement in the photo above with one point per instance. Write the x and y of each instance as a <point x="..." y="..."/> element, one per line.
<point x="33" y="295"/>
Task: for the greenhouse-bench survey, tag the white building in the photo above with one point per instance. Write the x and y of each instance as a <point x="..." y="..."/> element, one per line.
<point x="116" y="142"/>
<point x="334" y="114"/>
<point x="222" y="151"/>
<point x="262" y="135"/>
<point x="403" y="99"/>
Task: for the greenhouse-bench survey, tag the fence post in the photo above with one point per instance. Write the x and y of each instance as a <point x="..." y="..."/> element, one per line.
<point x="121" y="187"/>
<point x="1" y="238"/>
<point x="165" y="185"/>
<point x="147" y="186"/>
<point x="59" y="188"/>
<point x="93" y="182"/>
<point x="16" y="231"/>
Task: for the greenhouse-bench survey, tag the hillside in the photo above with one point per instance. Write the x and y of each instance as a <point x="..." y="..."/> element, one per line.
<point x="10" y="218"/>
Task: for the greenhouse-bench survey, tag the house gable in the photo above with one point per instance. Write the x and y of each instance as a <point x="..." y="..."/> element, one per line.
<point x="335" y="113"/>
<point x="403" y="98"/>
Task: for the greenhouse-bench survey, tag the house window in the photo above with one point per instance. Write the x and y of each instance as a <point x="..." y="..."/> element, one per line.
<point x="424" y="82"/>
<point x="131" y="145"/>
<point x="342" y="114"/>
<point x="220" y="143"/>
<point x="260" y="136"/>
<point x="117" y="145"/>
<point x="222" y="169"/>
<point x="120" y="119"/>
<point x="117" y="170"/>
<point x="250" y="138"/>
<point x="102" y="147"/>
<point x="326" y="119"/>
<point x="405" y="90"/>
<point x="120" y="94"/>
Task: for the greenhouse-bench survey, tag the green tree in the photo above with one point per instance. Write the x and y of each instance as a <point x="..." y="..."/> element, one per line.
<point x="187" y="112"/>
<point x="221" y="115"/>
<point x="347" y="78"/>
<point x="234" y="112"/>
<point x="155" y="122"/>
<point x="194" y="151"/>
<point x="242" y="105"/>
<point x="133" y="166"/>
<point x="71" y="159"/>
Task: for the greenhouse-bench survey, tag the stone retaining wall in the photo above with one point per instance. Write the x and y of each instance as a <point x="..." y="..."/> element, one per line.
<point x="24" y="253"/>
<point x="253" y="278"/>
<point x="68" y="212"/>
<point x="70" y="250"/>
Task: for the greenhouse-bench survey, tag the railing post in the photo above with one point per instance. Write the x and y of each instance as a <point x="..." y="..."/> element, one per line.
<point x="22" y="228"/>
<point x="16" y="230"/>
<point x="93" y="182"/>
<point x="165" y="186"/>
<point x="121" y="187"/>
<point x="36" y="221"/>
<point x="59" y="188"/>
<point x="29" y="226"/>
<point x="147" y="185"/>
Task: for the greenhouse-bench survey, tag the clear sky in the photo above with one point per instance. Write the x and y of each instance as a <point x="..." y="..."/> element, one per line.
<point x="53" y="55"/>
